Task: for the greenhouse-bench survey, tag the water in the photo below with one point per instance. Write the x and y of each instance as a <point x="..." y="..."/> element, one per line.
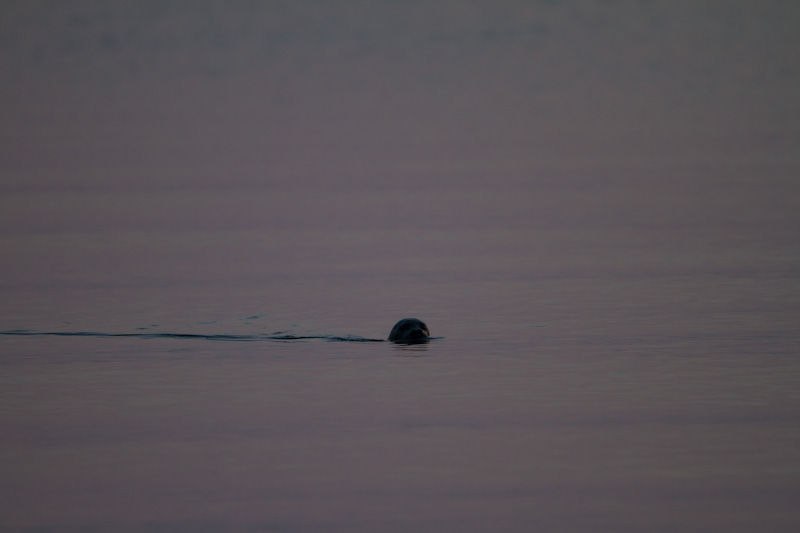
<point x="200" y="267"/>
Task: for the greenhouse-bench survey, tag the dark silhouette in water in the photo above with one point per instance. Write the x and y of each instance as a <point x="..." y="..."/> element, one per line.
<point x="410" y="331"/>
<point x="406" y="331"/>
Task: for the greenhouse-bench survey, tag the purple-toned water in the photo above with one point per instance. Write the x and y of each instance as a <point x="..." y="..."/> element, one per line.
<point x="212" y="214"/>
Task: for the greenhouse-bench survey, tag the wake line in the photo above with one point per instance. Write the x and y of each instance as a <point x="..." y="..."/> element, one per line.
<point x="236" y="338"/>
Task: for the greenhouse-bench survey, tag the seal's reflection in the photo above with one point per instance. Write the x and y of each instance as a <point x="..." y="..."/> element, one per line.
<point x="411" y="349"/>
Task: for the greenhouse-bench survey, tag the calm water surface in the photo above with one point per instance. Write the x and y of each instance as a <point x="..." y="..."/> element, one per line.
<point x="604" y="376"/>
<point x="594" y="206"/>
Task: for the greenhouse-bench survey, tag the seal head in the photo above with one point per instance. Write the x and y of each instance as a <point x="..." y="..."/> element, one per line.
<point x="410" y="330"/>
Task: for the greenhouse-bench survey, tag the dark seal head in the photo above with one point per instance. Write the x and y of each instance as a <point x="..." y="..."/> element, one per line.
<point x="410" y="330"/>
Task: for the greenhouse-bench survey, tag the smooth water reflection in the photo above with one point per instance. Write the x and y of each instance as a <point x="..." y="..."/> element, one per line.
<point x="211" y="214"/>
<point x="346" y="436"/>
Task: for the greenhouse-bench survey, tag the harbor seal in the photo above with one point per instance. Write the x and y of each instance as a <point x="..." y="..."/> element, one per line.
<point x="410" y="330"/>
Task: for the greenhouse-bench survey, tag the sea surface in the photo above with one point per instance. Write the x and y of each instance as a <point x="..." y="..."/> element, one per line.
<point x="201" y="264"/>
